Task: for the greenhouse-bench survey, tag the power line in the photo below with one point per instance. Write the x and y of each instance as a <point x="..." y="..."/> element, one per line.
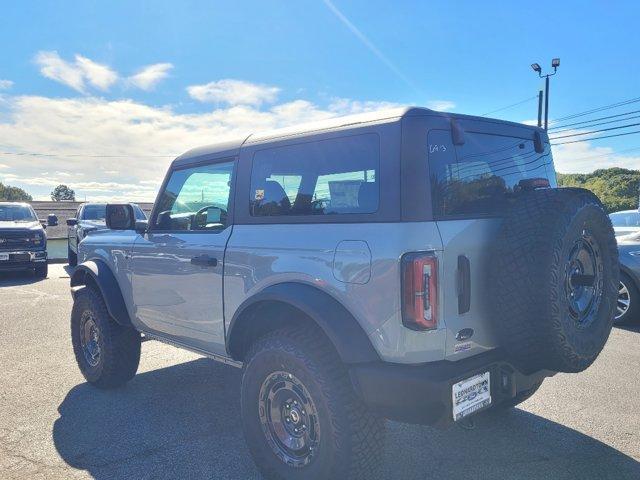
<point x="597" y="124"/>
<point x="33" y="154"/>
<point x="595" y="131"/>
<point x="594" y="120"/>
<point x="510" y="106"/>
<point x="598" y="138"/>
<point x="599" y="109"/>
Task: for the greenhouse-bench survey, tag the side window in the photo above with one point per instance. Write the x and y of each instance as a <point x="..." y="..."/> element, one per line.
<point x="195" y="199"/>
<point x="329" y="177"/>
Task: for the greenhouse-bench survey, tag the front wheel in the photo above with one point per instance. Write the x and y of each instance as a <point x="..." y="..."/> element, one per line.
<point x="628" y="306"/>
<point x="107" y="353"/>
<point x="72" y="257"/>
<point x="300" y="416"/>
<point x="42" y="270"/>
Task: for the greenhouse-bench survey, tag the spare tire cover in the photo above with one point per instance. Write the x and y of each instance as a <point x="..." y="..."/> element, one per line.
<point x="554" y="280"/>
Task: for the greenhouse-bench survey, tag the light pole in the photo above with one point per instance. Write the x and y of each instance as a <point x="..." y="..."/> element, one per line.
<point x="555" y="63"/>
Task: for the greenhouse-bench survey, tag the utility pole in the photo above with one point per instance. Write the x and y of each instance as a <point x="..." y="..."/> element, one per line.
<point x="555" y="63"/>
<point x="540" y="108"/>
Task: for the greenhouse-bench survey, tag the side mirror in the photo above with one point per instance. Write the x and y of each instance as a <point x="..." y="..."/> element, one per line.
<point x="142" y="226"/>
<point x="72" y="222"/>
<point x="52" y="220"/>
<point x="44" y="224"/>
<point x="120" y="217"/>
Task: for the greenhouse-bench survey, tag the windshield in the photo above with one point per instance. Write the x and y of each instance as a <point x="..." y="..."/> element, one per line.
<point x="17" y="213"/>
<point x="94" y="212"/>
<point x="625" y="219"/>
<point x="140" y="215"/>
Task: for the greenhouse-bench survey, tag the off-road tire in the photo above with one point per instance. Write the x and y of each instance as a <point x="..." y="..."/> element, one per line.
<point x="531" y="283"/>
<point x="632" y="316"/>
<point x="119" y="345"/>
<point x="351" y="437"/>
<point x="72" y="257"/>
<point x="41" y="271"/>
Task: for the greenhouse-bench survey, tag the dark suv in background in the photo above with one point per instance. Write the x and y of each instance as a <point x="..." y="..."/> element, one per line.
<point x="89" y="217"/>
<point x="23" y="241"/>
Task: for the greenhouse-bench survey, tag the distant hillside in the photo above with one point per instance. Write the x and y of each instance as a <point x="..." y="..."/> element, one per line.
<point x="618" y="188"/>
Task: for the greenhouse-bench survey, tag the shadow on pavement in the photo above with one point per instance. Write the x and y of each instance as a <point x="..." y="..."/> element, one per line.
<point x="184" y="422"/>
<point x="20" y="277"/>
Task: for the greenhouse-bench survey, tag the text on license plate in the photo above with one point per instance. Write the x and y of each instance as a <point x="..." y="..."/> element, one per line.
<point x="471" y="395"/>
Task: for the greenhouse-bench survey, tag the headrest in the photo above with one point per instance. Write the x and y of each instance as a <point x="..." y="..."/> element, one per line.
<point x="274" y="199"/>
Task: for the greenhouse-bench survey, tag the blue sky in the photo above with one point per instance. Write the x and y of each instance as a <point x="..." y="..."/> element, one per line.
<point x="145" y="79"/>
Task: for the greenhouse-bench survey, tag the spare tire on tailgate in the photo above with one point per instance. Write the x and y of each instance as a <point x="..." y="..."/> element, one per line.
<point x="555" y="280"/>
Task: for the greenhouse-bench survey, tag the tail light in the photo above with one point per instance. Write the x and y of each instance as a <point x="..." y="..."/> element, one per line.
<point x="419" y="291"/>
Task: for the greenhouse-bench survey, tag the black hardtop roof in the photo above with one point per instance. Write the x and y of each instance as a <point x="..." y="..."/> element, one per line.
<point x="232" y="147"/>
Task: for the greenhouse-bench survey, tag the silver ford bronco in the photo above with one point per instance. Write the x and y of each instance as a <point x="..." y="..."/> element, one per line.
<point x="407" y="264"/>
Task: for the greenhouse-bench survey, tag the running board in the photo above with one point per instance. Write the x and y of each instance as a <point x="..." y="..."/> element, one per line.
<point x="213" y="356"/>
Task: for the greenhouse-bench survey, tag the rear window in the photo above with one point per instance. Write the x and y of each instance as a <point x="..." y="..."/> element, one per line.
<point x="329" y="177"/>
<point x="478" y="177"/>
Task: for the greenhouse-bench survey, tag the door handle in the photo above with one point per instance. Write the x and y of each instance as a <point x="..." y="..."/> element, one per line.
<point x="204" y="260"/>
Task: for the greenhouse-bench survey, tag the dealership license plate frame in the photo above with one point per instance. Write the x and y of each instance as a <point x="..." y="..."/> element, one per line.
<point x="471" y="395"/>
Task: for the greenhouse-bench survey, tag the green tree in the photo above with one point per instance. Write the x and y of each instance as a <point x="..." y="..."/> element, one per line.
<point x="617" y="188"/>
<point x="13" y="194"/>
<point x="62" y="192"/>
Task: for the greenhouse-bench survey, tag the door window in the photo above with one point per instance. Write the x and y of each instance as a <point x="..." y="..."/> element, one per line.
<point x="195" y="199"/>
<point x="328" y="177"/>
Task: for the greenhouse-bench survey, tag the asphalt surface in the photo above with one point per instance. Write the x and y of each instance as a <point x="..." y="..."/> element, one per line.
<point x="179" y="417"/>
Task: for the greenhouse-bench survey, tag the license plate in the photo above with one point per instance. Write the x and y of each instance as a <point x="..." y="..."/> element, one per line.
<point x="471" y="395"/>
<point x="4" y="257"/>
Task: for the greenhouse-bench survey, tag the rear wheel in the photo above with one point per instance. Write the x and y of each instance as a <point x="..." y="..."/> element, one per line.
<point x="42" y="271"/>
<point x="628" y="308"/>
<point x="107" y="353"/>
<point x="301" y="418"/>
<point x="72" y="257"/>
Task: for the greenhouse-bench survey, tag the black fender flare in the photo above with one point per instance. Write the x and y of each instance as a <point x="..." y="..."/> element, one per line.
<point x="98" y="273"/>
<point x="340" y="326"/>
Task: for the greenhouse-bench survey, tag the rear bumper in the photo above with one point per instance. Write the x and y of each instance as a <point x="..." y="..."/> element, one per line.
<point x="22" y="260"/>
<point x="423" y="393"/>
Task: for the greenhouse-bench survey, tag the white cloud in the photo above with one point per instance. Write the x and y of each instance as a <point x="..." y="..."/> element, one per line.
<point x="75" y="74"/>
<point x="5" y="84"/>
<point x="148" y="77"/>
<point x="234" y="92"/>
<point x="128" y="145"/>
<point x="98" y="75"/>
<point x="55" y="68"/>
<point x="441" y="105"/>
<point x="584" y="157"/>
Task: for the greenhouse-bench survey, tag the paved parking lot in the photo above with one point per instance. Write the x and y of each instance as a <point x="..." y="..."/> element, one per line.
<point x="179" y="418"/>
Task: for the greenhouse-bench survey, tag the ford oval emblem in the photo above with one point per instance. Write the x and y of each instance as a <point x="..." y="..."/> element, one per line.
<point x="464" y="334"/>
